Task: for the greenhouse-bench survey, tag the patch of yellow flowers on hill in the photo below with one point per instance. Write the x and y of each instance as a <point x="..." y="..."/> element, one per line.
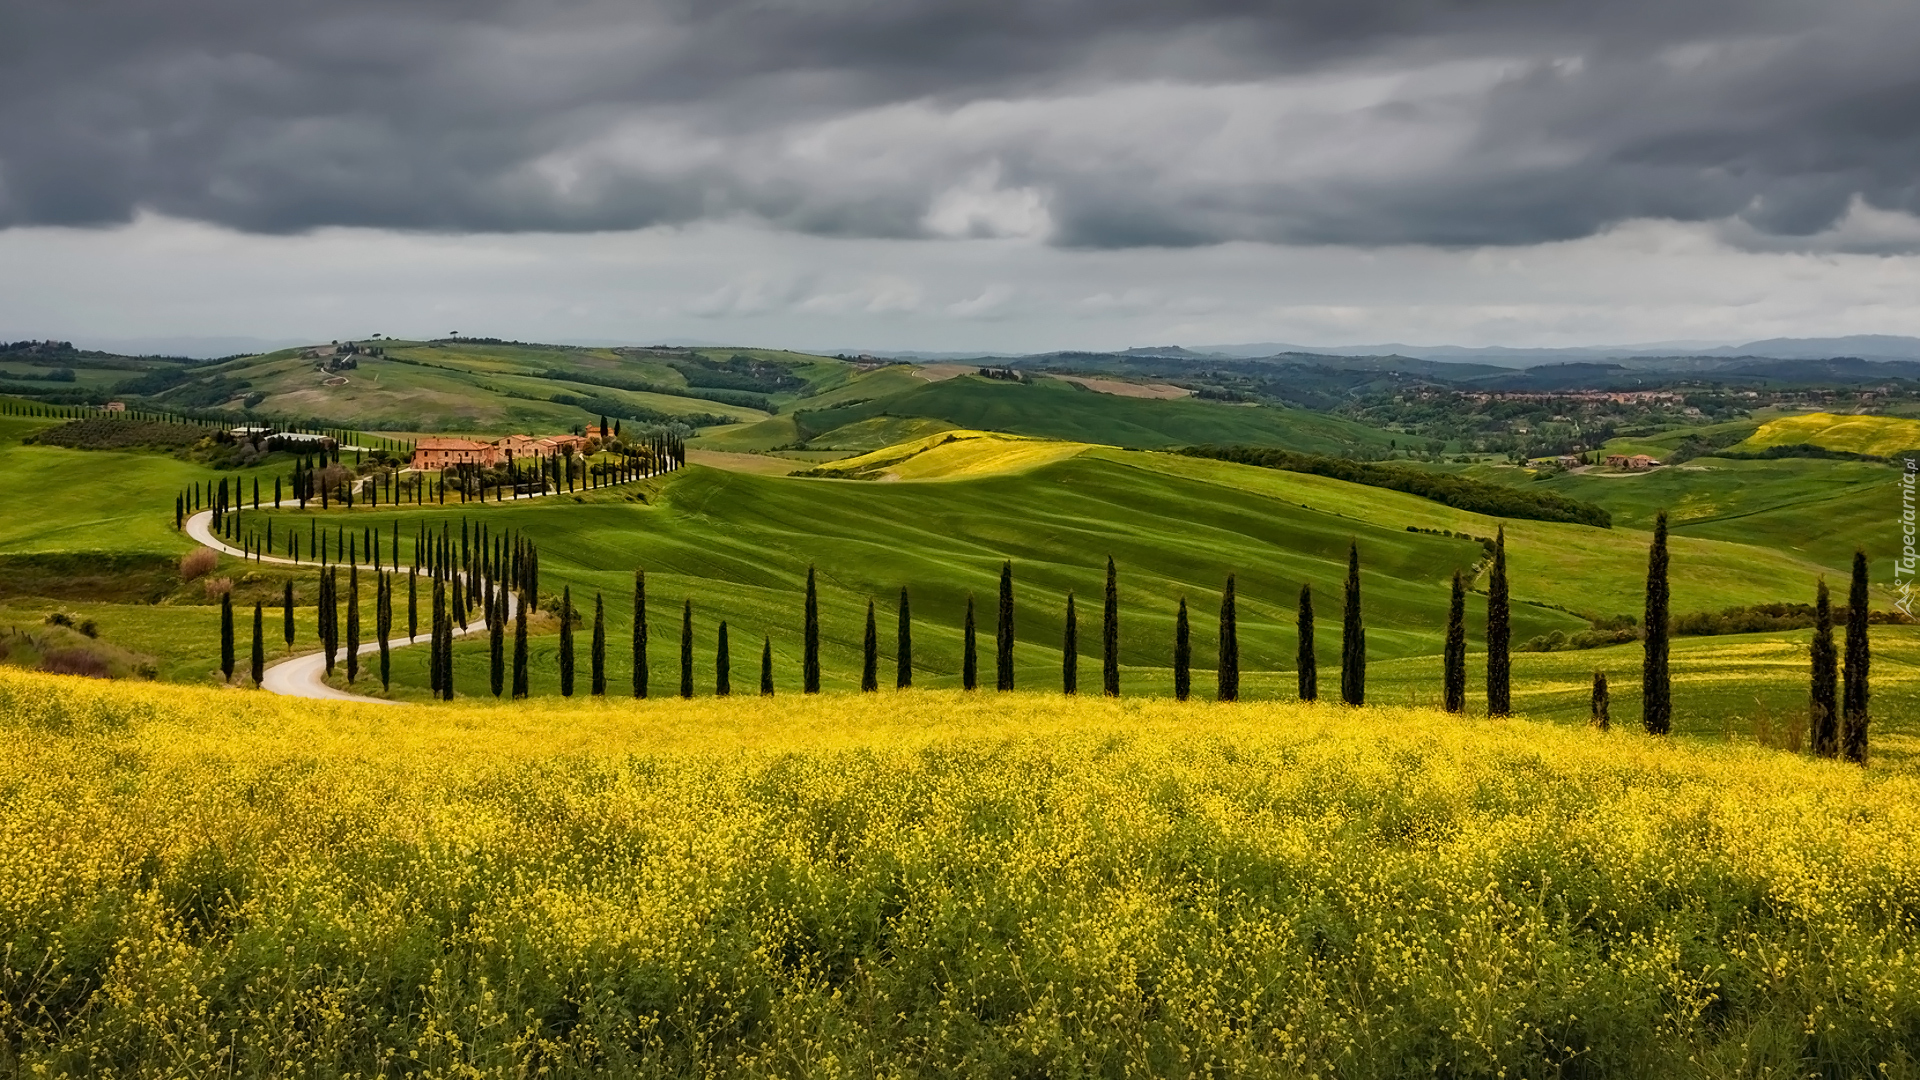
<point x="937" y="883"/>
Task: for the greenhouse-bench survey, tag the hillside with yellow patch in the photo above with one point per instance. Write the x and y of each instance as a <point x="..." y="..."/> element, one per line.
<point x="953" y="455"/>
<point x="1879" y="435"/>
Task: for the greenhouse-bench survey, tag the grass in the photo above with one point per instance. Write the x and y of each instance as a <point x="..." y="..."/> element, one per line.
<point x="493" y="389"/>
<point x="932" y="885"/>
<point x="1050" y="408"/>
<point x="739" y="546"/>
<point x="1879" y="435"/>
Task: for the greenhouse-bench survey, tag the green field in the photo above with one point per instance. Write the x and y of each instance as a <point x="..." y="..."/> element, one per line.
<point x="738" y="545"/>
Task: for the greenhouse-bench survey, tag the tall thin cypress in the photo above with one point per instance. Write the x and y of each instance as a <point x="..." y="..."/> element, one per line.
<point x="870" y="654"/>
<point x="1656" y="692"/>
<point x="1823" y="711"/>
<point x="1306" y="661"/>
<point x="903" y="646"/>
<point x="566" y="641"/>
<point x="1454" y="661"/>
<point x="330" y="613"/>
<point x="1182" y="654"/>
<point x="1070" y="651"/>
<point x="413" y="606"/>
<point x="353" y="622"/>
<point x="1229" y="643"/>
<point x="287" y="601"/>
<point x="1353" y="637"/>
<point x="766" y="667"/>
<point x="1003" y="631"/>
<point x="226" y="636"/>
<point x="597" y="650"/>
<point x="639" y="633"/>
<point x="1499" y="633"/>
<point x="1602" y="715"/>
<point x="497" y="645"/>
<point x="722" y="664"/>
<point x="383" y="627"/>
<point x="810" y="642"/>
<point x="1110" y="636"/>
<point x="1853" y="693"/>
<point x="444" y="614"/>
<point x="436" y="637"/>
<point x="969" y="653"/>
<point x="258" y="668"/>
<point x="520" y="646"/>
<point x="686" y="651"/>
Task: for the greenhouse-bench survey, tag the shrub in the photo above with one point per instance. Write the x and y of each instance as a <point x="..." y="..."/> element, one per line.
<point x="59" y="618"/>
<point x="198" y="563"/>
<point x="218" y="587"/>
<point x="76" y="661"/>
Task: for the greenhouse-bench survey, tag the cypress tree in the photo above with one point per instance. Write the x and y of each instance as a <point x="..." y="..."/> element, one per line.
<point x="1499" y="633"/>
<point x="969" y="653"/>
<point x="497" y="645"/>
<point x="259" y="667"/>
<point x="226" y="635"/>
<point x="1229" y="644"/>
<point x="436" y="639"/>
<point x="903" y="646"/>
<point x="597" y="651"/>
<point x="1656" y="693"/>
<point x="766" y="668"/>
<point x="1454" y="662"/>
<point x="686" y="651"/>
<point x="1182" y="654"/>
<point x="1353" y="637"/>
<point x="1306" y="660"/>
<point x="1070" y="651"/>
<point x="870" y="654"/>
<point x="1003" y="631"/>
<point x="383" y="627"/>
<point x="566" y="641"/>
<point x="810" y="642"/>
<point x="1110" y="636"/>
<point x="520" y="647"/>
<point x="1853" y="700"/>
<point x="330" y="613"/>
<point x="413" y="606"/>
<point x="287" y="600"/>
<point x="353" y="623"/>
<point x="1602" y="717"/>
<point x="639" y="633"/>
<point x="444" y="615"/>
<point x="722" y="664"/>
<point x="1823" y="712"/>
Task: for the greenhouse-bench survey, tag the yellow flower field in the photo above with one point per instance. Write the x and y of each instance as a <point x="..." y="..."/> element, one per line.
<point x="207" y="883"/>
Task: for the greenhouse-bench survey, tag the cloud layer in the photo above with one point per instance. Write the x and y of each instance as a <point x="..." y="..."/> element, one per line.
<point x="1071" y="123"/>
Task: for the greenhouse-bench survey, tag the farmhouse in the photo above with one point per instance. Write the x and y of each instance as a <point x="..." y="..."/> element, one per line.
<point x="446" y="453"/>
<point x="1631" y="461"/>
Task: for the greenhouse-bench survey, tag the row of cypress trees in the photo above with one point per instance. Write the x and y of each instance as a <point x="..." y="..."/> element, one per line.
<point x="1839" y="713"/>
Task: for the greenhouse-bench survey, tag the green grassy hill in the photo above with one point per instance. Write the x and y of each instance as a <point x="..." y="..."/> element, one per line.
<point x="739" y="545"/>
<point x="462" y="385"/>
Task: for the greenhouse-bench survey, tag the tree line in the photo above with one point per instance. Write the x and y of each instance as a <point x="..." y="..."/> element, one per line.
<point x="484" y="573"/>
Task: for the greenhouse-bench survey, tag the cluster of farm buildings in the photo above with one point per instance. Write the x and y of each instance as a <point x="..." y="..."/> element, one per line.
<point x="440" y="453"/>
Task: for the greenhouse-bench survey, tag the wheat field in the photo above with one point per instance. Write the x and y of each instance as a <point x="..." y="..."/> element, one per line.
<point x="208" y="883"/>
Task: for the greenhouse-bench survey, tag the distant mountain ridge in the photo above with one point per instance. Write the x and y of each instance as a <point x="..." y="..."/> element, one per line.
<point x="1860" y="346"/>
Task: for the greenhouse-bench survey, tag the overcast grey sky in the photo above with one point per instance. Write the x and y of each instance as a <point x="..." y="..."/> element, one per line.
<point x="955" y="174"/>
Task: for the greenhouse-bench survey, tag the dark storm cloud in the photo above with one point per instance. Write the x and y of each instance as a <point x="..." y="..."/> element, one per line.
<point x="1093" y="124"/>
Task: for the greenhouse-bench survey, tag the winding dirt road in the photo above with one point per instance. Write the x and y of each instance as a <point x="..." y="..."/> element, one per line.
<point x="305" y="676"/>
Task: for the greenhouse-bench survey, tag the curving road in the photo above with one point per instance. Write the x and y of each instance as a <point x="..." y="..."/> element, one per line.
<point x="305" y="676"/>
